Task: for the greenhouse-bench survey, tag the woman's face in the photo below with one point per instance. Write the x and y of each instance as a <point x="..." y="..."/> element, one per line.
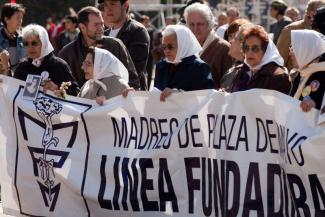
<point x="252" y="49"/>
<point x="235" y="49"/>
<point x="33" y="46"/>
<point x="88" y="66"/>
<point x="15" y="21"/>
<point x="169" y="45"/>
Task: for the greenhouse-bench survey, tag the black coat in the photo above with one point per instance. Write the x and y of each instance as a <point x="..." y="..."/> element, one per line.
<point x="191" y="74"/>
<point x="270" y="76"/>
<point x="136" y="39"/>
<point x="75" y="53"/>
<point x="318" y="94"/>
<point x="57" y="68"/>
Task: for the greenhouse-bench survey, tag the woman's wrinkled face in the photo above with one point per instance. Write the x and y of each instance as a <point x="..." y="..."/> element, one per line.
<point x="252" y="48"/>
<point x="33" y="46"/>
<point x="88" y="66"/>
<point x="169" y="45"/>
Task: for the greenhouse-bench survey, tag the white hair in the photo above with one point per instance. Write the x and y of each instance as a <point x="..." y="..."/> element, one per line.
<point x="204" y="10"/>
<point x="169" y="30"/>
<point x="31" y="30"/>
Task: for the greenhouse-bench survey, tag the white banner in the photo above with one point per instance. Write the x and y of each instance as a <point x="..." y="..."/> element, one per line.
<point x="202" y="153"/>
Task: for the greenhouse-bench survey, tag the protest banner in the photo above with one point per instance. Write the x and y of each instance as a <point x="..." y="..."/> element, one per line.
<point x="202" y="153"/>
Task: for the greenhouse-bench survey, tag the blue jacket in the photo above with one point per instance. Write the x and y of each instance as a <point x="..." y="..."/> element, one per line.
<point x="191" y="74"/>
<point x="4" y="44"/>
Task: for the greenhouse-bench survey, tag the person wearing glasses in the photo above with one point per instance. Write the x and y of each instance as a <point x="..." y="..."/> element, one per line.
<point x="263" y="65"/>
<point x="106" y="76"/>
<point x="236" y="30"/>
<point x="182" y="69"/>
<point x="40" y="58"/>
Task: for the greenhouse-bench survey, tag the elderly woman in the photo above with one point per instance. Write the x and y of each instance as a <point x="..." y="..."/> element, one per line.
<point x="106" y="76"/>
<point x="309" y="85"/>
<point x="200" y="20"/>
<point x="236" y="30"/>
<point x="40" y="58"/>
<point x="263" y="65"/>
<point x="182" y="68"/>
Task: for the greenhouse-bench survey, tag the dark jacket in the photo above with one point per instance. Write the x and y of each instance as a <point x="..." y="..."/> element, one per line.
<point x="277" y="27"/>
<point x="62" y="40"/>
<point x="4" y="44"/>
<point x="191" y="74"/>
<point x="57" y="68"/>
<point x="227" y="79"/>
<point x="270" y="76"/>
<point x="136" y="39"/>
<point x="316" y="94"/>
<point x="75" y="53"/>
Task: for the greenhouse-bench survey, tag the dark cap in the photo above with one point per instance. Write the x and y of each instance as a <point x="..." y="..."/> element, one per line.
<point x="189" y="2"/>
<point x="280" y="6"/>
<point x="319" y="20"/>
<point x="102" y="1"/>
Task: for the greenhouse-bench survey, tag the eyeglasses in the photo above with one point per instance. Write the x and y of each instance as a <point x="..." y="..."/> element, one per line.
<point x="87" y="64"/>
<point x="168" y="46"/>
<point x="254" y="48"/>
<point x="32" y="43"/>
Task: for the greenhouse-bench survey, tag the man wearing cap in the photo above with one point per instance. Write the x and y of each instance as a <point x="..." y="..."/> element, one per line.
<point x="278" y="9"/>
<point x="133" y="34"/>
<point x="284" y="41"/>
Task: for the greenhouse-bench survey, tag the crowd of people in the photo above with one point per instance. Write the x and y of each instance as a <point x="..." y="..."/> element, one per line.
<point x="104" y="52"/>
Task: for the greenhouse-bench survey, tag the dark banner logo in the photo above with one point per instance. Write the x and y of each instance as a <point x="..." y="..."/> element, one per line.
<point x="46" y="157"/>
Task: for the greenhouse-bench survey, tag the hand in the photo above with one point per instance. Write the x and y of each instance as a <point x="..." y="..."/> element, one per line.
<point x="58" y="93"/>
<point x="307" y="105"/>
<point x="4" y="58"/>
<point x="49" y="85"/>
<point x="126" y="91"/>
<point x="100" y="100"/>
<point x="293" y="58"/>
<point x="166" y="93"/>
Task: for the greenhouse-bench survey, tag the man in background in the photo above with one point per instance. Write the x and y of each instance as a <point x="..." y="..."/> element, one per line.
<point x="132" y="33"/>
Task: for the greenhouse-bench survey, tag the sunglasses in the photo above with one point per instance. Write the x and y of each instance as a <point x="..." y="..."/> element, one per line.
<point x="254" y="48"/>
<point x="168" y="46"/>
<point x="32" y="43"/>
<point x="87" y="64"/>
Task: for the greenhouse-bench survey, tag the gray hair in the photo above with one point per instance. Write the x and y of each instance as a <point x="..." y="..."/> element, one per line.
<point x="313" y="5"/>
<point x="169" y="30"/>
<point x="204" y="10"/>
<point x="31" y="30"/>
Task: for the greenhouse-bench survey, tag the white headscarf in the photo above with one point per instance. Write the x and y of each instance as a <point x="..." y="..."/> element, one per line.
<point x="46" y="48"/>
<point x="271" y="55"/>
<point x="312" y="47"/>
<point x="187" y="44"/>
<point x="107" y="65"/>
<point x="307" y="45"/>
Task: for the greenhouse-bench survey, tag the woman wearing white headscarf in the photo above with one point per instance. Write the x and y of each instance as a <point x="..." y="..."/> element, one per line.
<point x="40" y="58"/>
<point x="182" y="68"/>
<point x="309" y="85"/>
<point x="106" y="76"/>
<point x="263" y="65"/>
